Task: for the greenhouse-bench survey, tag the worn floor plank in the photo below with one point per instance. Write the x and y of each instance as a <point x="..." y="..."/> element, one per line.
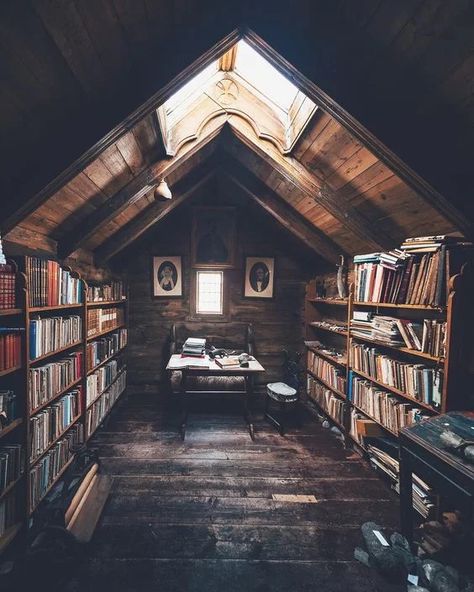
<point x="199" y="516"/>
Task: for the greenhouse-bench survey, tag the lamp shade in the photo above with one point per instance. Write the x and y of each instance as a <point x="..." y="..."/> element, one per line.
<point x="162" y="191"/>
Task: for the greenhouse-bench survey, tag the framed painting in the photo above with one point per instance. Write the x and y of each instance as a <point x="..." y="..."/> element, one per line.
<point x="167" y="277"/>
<point x="259" y="277"/>
<point x="213" y="237"/>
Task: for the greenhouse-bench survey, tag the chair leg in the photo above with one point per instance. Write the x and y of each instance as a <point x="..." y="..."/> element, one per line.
<point x="282" y="418"/>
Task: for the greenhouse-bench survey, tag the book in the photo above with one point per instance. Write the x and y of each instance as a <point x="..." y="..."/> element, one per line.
<point x="52" y="333"/>
<point x="96" y="413"/>
<point x="228" y="362"/>
<point x="7" y="286"/>
<point x="112" y="291"/>
<point x="10" y="348"/>
<point x="329" y="402"/>
<point x="49" y="284"/>
<point x="332" y="375"/>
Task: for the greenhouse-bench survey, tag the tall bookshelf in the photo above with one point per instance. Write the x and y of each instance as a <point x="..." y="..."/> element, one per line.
<point x="67" y="399"/>
<point x="328" y="320"/>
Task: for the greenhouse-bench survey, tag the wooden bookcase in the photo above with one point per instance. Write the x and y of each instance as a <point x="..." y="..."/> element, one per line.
<point x="336" y="312"/>
<point x="17" y="379"/>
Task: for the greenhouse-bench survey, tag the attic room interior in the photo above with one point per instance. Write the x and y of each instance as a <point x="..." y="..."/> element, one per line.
<point x="235" y="326"/>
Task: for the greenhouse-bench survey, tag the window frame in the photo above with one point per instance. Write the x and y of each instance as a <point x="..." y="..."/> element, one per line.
<point x="206" y="316"/>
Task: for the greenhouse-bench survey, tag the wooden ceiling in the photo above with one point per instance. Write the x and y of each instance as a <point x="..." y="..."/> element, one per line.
<point x="74" y="69"/>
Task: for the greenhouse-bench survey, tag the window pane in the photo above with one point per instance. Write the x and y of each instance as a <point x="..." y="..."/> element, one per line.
<point x="209" y="292"/>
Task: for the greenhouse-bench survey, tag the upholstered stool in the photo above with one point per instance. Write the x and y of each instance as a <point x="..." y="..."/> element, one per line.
<point x="286" y="397"/>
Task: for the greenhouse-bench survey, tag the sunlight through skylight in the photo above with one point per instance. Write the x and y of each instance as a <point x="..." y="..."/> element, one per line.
<point x="194" y="86"/>
<point x="263" y="76"/>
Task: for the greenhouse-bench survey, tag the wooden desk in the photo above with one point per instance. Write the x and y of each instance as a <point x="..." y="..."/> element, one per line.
<point x="422" y="452"/>
<point x="189" y="367"/>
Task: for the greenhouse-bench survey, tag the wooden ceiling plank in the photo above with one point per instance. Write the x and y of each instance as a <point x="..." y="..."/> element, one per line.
<point x="128" y="147"/>
<point x="282" y="212"/>
<point x="321" y="194"/>
<point x="150" y="216"/>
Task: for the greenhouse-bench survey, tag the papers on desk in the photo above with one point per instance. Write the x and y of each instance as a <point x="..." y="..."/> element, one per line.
<point x="179" y="362"/>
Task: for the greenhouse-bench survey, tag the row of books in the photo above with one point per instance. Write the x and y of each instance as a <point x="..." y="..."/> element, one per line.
<point x="101" y="379"/>
<point x="48" y="425"/>
<point x="11" y="464"/>
<point x="97" y="412"/>
<point x="336" y="327"/>
<point x="332" y="376"/>
<point x="416" y="273"/>
<point x="7" y="286"/>
<point x="52" y="333"/>
<point x="10" y="348"/>
<point x="428" y="336"/>
<point x="43" y="474"/>
<point x="103" y="319"/>
<point x="113" y="291"/>
<point x="7" y="513"/>
<point x="381" y="405"/>
<point x="8" y="407"/>
<point x="418" y="381"/>
<point x="100" y="350"/>
<point x="383" y="457"/>
<point x="49" y="284"/>
<point x="45" y="382"/>
<point x="329" y="350"/>
<point x="325" y="399"/>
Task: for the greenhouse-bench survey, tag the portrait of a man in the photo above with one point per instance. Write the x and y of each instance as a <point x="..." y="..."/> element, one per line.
<point x="259" y="272"/>
<point x="167" y="277"/>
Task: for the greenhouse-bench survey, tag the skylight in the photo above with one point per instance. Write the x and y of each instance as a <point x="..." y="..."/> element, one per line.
<point x="192" y="87"/>
<point x="263" y="76"/>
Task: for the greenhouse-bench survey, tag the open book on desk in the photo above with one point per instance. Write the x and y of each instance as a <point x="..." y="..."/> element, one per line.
<point x="179" y="362"/>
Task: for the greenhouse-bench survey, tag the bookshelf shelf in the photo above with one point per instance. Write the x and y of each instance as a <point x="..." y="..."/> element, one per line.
<point x="34" y="309"/>
<point x="34" y="461"/>
<point x="56" y="352"/>
<point x="50" y="401"/>
<point x="52" y="484"/>
<point x="422" y="307"/>
<point x="9" y="535"/>
<point x="342" y="362"/>
<point x="329" y="330"/>
<point x="395" y="391"/>
<point x="403" y="350"/>
<point x="96" y="335"/>
<point x="11" y="486"/>
<point x="324" y="412"/>
<point x="10" y="370"/>
<point x="106" y="303"/>
<point x="89" y="372"/>
<point x="323" y="382"/>
<point x="106" y="389"/>
<point x="329" y="301"/>
<point x="10" y="427"/>
<point x="7" y="312"/>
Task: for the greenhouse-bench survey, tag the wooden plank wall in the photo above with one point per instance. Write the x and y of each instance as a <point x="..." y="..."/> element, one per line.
<point x="277" y="323"/>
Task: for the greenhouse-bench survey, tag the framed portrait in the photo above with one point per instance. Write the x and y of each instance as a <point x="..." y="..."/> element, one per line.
<point x="167" y="277"/>
<point x="259" y="277"/>
<point x="213" y="237"/>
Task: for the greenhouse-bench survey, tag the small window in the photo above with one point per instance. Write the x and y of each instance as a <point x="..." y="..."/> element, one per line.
<point x="209" y="292"/>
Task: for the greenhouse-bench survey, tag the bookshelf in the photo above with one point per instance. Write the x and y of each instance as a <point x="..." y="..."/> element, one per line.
<point x="386" y="407"/>
<point x="50" y="313"/>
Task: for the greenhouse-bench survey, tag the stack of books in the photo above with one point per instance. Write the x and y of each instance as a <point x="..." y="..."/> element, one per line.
<point x="414" y="380"/>
<point x="7" y="286"/>
<point x="416" y="273"/>
<point x="104" y="319"/>
<point x="383" y="457"/>
<point x="10" y="348"/>
<point x="382" y="406"/>
<point x="332" y="376"/>
<point x="50" y="334"/>
<point x="194" y="346"/>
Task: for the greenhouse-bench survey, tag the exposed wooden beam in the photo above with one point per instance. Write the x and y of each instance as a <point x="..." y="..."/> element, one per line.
<point x="378" y="148"/>
<point x="26" y="208"/>
<point x="294" y="171"/>
<point x="153" y="214"/>
<point x="274" y="205"/>
<point x="133" y="191"/>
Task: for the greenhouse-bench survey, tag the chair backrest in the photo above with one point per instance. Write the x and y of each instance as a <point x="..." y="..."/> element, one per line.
<point x="292" y="370"/>
<point x="237" y="336"/>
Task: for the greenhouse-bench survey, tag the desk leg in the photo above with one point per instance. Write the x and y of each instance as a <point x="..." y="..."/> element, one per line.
<point x="247" y="412"/>
<point x="184" y="406"/>
<point x="406" y="495"/>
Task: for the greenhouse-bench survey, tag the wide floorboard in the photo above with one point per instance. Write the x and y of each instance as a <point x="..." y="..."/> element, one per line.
<point x="199" y="515"/>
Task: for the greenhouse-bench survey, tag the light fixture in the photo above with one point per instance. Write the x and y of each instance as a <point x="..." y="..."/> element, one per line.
<point x="162" y="191"/>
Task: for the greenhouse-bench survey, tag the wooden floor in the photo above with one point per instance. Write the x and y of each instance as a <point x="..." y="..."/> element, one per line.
<point x="198" y="515"/>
